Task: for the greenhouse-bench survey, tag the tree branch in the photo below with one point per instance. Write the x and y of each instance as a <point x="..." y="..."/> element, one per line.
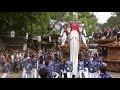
<point x="49" y="29"/>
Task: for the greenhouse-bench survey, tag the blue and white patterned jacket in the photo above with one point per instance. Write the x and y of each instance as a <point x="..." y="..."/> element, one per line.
<point x="7" y="68"/>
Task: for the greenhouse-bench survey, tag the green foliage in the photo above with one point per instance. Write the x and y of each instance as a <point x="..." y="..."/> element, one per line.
<point x="68" y="17"/>
<point x="90" y="21"/>
<point x="113" y="21"/>
<point x="56" y="15"/>
<point x="35" y="23"/>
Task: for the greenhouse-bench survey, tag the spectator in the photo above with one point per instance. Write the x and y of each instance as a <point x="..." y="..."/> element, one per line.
<point x="118" y="36"/>
<point x="15" y="66"/>
<point x="114" y="32"/>
<point x="43" y="73"/>
<point x="6" y="69"/>
<point x="103" y="73"/>
<point x="28" y="68"/>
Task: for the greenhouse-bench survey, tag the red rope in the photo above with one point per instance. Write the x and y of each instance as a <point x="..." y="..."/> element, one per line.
<point x="74" y="38"/>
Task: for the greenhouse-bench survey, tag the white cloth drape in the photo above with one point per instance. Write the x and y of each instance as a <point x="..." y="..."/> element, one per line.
<point x="74" y="50"/>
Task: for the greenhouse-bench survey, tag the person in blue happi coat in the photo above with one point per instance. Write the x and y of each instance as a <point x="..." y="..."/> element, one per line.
<point x="103" y="73"/>
<point x="61" y="68"/>
<point x="96" y="65"/>
<point x="41" y="65"/>
<point x="28" y="68"/>
<point x="56" y="68"/>
<point x="81" y="67"/>
<point x="99" y="63"/>
<point x="34" y="61"/>
<point x="92" y="67"/>
<point x="68" y="68"/>
<point x="86" y="72"/>
<point x="6" y="69"/>
<point x="24" y="59"/>
<point x="49" y="70"/>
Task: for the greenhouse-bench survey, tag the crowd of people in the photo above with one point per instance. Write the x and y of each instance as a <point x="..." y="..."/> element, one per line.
<point x="47" y="63"/>
<point x="13" y="60"/>
<point x="107" y="32"/>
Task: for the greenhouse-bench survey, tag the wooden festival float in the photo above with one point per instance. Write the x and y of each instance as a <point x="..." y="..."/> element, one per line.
<point x="65" y="50"/>
<point x="113" y="55"/>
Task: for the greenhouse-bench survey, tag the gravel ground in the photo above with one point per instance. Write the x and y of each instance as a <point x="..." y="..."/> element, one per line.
<point x="12" y="75"/>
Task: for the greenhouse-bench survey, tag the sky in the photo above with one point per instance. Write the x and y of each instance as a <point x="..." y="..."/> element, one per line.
<point x="103" y="16"/>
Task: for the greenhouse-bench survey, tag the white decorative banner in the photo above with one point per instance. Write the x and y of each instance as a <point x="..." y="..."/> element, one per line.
<point x="49" y="38"/>
<point x="12" y="34"/>
<point x="24" y="47"/>
<point x="26" y="35"/>
<point x="39" y="38"/>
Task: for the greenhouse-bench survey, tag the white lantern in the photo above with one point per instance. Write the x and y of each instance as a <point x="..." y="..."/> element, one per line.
<point x="39" y="38"/>
<point x="12" y="34"/>
<point x="49" y="38"/>
<point x="26" y="35"/>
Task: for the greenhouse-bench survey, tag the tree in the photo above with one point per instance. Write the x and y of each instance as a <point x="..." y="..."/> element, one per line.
<point x="37" y="23"/>
<point x="36" y="20"/>
<point x="90" y="21"/>
<point x="114" y="20"/>
<point x="34" y="23"/>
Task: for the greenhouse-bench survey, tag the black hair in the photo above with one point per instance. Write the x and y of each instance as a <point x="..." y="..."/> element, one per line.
<point x="43" y="72"/>
<point x="56" y="56"/>
<point x="46" y="63"/>
<point x="65" y="25"/>
<point x="82" y="22"/>
<point x="73" y="76"/>
<point x="103" y="69"/>
<point x="41" y="61"/>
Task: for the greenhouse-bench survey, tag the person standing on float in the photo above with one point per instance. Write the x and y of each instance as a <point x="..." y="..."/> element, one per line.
<point x="64" y="34"/>
<point x="83" y="34"/>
